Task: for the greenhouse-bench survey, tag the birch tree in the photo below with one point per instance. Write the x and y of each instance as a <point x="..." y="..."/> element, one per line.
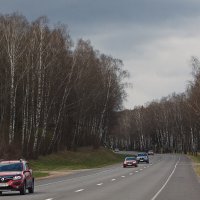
<point x="14" y="31"/>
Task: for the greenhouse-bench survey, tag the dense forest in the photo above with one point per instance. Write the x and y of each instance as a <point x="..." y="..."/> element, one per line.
<point x="54" y="95"/>
<point x="169" y="125"/>
<point x="57" y="95"/>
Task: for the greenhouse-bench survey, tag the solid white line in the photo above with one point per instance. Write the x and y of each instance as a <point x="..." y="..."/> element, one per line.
<point x="79" y="190"/>
<point x="161" y="189"/>
<point x="113" y="179"/>
<point x="99" y="184"/>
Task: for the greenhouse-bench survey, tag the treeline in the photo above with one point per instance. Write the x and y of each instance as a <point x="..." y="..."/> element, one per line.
<point x="169" y="125"/>
<point x="53" y="95"/>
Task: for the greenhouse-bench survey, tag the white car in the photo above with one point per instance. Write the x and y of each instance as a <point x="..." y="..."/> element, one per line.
<point x="116" y="150"/>
<point x="143" y="157"/>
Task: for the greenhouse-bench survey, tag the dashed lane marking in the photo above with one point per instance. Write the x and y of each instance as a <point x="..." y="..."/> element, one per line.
<point x="99" y="184"/>
<point x="80" y="190"/>
<point x="123" y="176"/>
<point x="75" y="178"/>
<point x="113" y="179"/>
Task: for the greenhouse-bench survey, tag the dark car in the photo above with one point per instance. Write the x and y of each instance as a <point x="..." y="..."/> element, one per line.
<point x="143" y="157"/>
<point x="151" y="152"/>
<point x="15" y="175"/>
<point x="130" y="161"/>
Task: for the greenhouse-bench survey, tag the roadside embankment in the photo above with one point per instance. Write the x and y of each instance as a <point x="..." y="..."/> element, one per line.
<point x="196" y="163"/>
<point x="67" y="162"/>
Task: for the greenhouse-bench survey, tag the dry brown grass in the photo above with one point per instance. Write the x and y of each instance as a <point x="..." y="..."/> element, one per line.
<point x="196" y="163"/>
<point x="197" y="169"/>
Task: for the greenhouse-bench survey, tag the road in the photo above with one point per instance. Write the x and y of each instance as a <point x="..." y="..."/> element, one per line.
<point x="167" y="177"/>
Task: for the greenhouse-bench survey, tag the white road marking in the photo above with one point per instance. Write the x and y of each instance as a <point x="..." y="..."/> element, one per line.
<point x="168" y="179"/>
<point x="141" y="169"/>
<point x="131" y="174"/>
<point x="66" y="180"/>
<point x="99" y="184"/>
<point x="80" y="190"/>
<point x="113" y="179"/>
<point x="136" y="171"/>
<point x="49" y="199"/>
<point x="123" y="176"/>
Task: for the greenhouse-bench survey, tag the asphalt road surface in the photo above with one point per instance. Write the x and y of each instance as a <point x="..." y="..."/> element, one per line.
<point x="167" y="177"/>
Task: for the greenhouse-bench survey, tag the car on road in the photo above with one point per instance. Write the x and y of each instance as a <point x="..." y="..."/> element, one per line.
<point x="130" y="161"/>
<point x="15" y="175"/>
<point x="142" y="157"/>
<point x="151" y="152"/>
<point x="116" y="150"/>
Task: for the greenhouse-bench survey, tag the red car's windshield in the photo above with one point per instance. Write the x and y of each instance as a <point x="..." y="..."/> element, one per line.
<point x="11" y="167"/>
<point x="131" y="158"/>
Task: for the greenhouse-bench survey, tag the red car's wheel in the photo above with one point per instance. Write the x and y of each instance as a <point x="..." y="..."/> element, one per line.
<point x="23" y="190"/>
<point x="31" y="189"/>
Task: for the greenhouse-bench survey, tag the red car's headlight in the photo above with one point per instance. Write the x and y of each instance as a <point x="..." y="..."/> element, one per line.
<point x="17" y="177"/>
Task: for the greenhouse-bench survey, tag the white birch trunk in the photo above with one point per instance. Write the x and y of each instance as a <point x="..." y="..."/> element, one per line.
<point x="64" y="99"/>
<point x="104" y="108"/>
<point x="39" y="91"/>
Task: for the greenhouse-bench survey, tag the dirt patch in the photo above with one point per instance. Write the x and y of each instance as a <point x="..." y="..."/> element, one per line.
<point x="58" y="173"/>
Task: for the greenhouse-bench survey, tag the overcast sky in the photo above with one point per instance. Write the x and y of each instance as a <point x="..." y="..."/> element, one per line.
<point x="155" y="39"/>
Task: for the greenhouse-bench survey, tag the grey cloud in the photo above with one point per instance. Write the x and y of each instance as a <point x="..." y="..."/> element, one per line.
<point x="94" y="11"/>
<point x="156" y="36"/>
<point x="141" y="18"/>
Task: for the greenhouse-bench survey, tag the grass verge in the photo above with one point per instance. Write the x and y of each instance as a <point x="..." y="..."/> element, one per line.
<point x="40" y="174"/>
<point x="196" y="161"/>
<point x="84" y="158"/>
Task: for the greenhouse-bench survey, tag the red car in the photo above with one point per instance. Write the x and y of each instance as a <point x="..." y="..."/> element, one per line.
<point x="15" y="175"/>
<point x="130" y="161"/>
